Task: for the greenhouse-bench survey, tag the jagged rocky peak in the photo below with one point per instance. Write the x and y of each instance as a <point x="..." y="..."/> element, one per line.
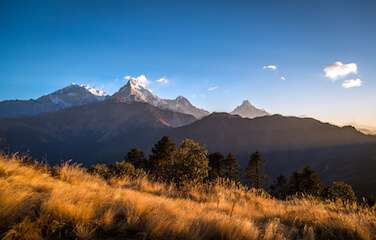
<point x="135" y="90"/>
<point x="246" y="109"/>
<point x="183" y="101"/>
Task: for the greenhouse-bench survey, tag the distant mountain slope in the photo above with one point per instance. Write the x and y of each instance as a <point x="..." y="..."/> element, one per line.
<point x="133" y="91"/>
<point x="86" y="133"/>
<point x="275" y="132"/>
<point x="70" y="96"/>
<point x="105" y="131"/>
<point x="181" y="104"/>
<point x="247" y="110"/>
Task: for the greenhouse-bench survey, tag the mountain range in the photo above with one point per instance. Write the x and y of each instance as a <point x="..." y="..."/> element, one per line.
<point x="102" y="128"/>
<point x="133" y="91"/>
<point x="78" y="95"/>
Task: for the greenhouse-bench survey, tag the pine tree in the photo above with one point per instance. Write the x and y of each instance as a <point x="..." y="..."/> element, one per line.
<point x="306" y="181"/>
<point x="280" y="187"/>
<point x="231" y="167"/>
<point x="162" y="160"/>
<point x="216" y="165"/>
<point x="255" y="170"/>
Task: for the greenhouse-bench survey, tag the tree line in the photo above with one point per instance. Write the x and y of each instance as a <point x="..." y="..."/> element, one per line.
<point x="190" y="163"/>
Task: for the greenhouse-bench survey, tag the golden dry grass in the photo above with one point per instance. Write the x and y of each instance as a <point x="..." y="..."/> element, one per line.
<point x="74" y="204"/>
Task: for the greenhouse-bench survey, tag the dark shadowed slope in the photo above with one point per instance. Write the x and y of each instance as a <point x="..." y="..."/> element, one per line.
<point x="290" y="143"/>
<point x="276" y="132"/>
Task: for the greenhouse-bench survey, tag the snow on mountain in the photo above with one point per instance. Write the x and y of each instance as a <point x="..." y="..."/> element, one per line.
<point x="94" y="91"/>
<point x="70" y="96"/>
<point x="136" y="91"/>
<point x="73" y="95"/>
<point x="247" y="110"/>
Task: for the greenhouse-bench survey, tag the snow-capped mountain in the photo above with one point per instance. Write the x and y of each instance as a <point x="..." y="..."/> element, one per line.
<point x="247" y="110"/>
<point x="70" y="96"/>
<point x="133" y="91"/>
<point x="73" y="95"/>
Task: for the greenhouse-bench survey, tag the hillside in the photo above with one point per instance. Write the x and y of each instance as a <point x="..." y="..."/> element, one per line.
<point x="105" y="131"/>
<point x="37" y="205"/>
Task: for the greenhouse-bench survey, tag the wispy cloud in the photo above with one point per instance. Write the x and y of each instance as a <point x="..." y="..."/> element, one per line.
<point x="275" y="69"/>
<point x="352" y="83"/>
<point x="270" y="67"/>
<point x="212" y="88"/>
<point x="338" y="70"/>
<point x="162" y="81"/>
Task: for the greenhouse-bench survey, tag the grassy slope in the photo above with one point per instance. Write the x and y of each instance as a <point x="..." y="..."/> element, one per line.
<point x="36" y="205"/>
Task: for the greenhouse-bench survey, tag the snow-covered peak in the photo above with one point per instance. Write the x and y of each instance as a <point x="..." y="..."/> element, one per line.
<point x="138" y="82"/>
<point x="247" y="105"/>
<point x="135" y="91"/>
<point x="73" y="95"/>
<point x="246" y="109"/>
<point x="92" y="90"/>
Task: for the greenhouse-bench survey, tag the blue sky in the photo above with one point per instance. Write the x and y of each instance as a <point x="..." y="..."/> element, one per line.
<point x="196" y="46"/>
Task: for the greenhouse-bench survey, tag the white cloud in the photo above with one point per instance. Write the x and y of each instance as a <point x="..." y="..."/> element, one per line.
<point x="338" y="70"/>
<point x="162" y="81"/>
<point x="141" y="80"/>
<point x="271" y="67"/>
<point x="352" y="83"/>
<point x="283" y="78"/>
<point x="212" y="88"/>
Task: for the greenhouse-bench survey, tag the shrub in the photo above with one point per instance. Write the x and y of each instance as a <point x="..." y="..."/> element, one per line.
<point x="192" y="162"/>
<point x="342" y="191"/>
<point x="100" y="169"/>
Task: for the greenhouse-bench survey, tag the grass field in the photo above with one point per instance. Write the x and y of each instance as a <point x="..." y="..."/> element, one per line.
<point x="71" y="204"/>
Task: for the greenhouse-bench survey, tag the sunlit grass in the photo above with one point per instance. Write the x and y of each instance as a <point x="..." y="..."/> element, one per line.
<point x="74" y="204"/>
